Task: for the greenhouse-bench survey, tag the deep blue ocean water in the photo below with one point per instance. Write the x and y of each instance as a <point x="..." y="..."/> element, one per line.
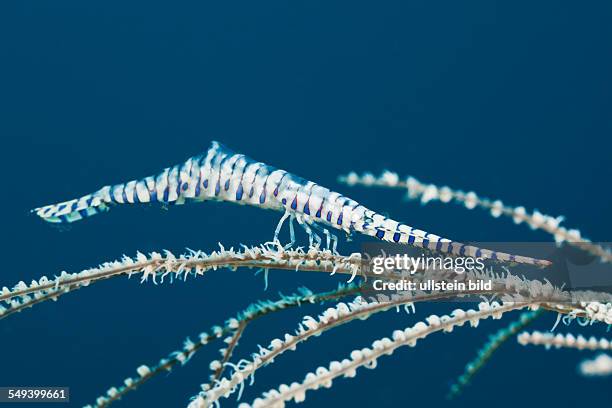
<point x="512" y="100"/>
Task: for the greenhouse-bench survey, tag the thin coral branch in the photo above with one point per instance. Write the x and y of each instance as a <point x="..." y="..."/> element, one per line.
<point x="367" y="357"/>
<point x="600" y="366"/>
<point x="431" y="192"/>
<point x="157" y="265"/>
<point x="232" y="343"/>
<point x="492" y="345"/>
<point x="559" y="340"/>
<point x="331" y="318"/>
<point x="182" y="356"/>
<point x="266" y="256"/>
<point x="342" y="313"/>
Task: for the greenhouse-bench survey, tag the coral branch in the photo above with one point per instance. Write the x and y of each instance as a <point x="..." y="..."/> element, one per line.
<point x="367" y="357"/>
<point x="600" y="366"/>
<point x="273" y="256"/>
<point x="549" y="340"/>
<point x="340" y="314"/>
<point x="232" y="342"/>
<point x="189" y="348"/>
<point x="154" y="265"/>
<point x="494" y="342"/>
<point x="309" y="328"/>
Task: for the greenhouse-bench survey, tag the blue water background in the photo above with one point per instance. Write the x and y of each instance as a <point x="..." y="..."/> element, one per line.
<point x="510" y="99"/>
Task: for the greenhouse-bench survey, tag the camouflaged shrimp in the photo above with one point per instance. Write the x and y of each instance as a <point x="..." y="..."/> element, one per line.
<point x="223" y="175"/>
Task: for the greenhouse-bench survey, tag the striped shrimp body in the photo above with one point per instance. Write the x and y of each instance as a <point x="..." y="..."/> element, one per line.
<point x="223" y="175"/>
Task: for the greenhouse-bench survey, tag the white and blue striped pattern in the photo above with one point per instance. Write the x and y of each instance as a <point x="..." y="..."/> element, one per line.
<point x="223" y="175"/>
